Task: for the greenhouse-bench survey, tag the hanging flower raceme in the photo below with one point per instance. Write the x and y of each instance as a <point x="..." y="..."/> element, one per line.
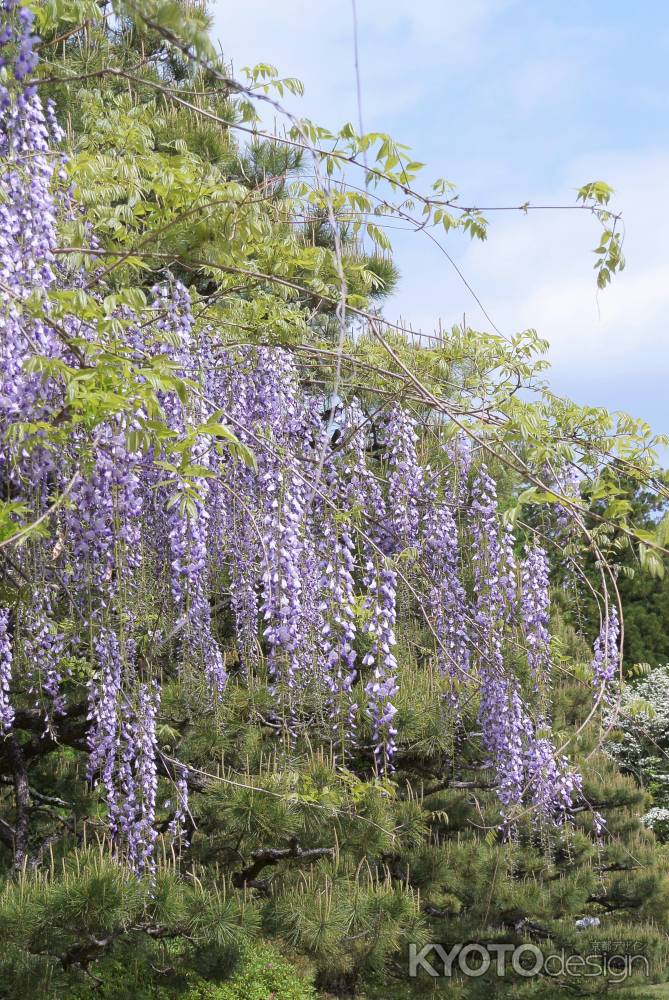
<point x="140" y="832"/>
<point x="190" y="586"/>
<point x="458" y="451"/>
<point x="235" y="525"/>
<point x="104" y="695"/>
<point x="6" y="709"/>
<point x="405" y="477"/>
<point x="360" y="490"/>
<point x="527" y="766"/>
<point x="177" y="824"/>
<point x="123" y="750"/>
<point x="18" y="34"/>
<point x="447" y="601"/>
<point x="554" y="785"/>
<point x="303" y="538"/>
<point x="43" y="648"/>
<point x="337" y="611"/>
<point x="535" y="607"/>
<point x="569" y="486"/>
<point x="137" y="782"/>
<point x="284" y="496"/>
<point x="27" y="242"/>
<point x="243" y="543"/>
<point x="187" y="515"/>
<point x="504" y="723"/>
<point x="103" y="521"/>
<point x="606" y="659"/>
<point x="509" y="571"/>
<point x="381" y="688"/>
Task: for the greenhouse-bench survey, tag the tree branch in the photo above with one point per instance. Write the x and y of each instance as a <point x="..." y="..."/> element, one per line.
<point x="272" y="855"/>
<point x="21" y="798"/>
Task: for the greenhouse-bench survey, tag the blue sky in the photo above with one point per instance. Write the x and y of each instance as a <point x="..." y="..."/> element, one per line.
<point x="513" y="101"/>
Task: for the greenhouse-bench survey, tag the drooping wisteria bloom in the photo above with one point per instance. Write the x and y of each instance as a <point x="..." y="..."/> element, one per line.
<point x="360" y="489"/>
<point x="25" y="57"/>
<point x="187" y="516"/>
<point x="142" y="834"/>
<point x="177" y="824"/>
<point x="27" y="242"/>
<point x="300" y="546"/>
<point x="123" y="749"/>
<point x="606" y="659"/>
<point x="283" y="509"/>
<point x="447" y="601"/>
<point x="555" y="787"/>
<point x="337" y="609"/>
<point x="487" y="550"/>
<point x="282" y="601"/>
<point x="509" y="570"/>
<point x="535" y="606"/>
<point x="569" y="486"/>
<point x="459" y="454"/>
<point x="43" y="647"/>
<point x="381" y="688"/>
<point x="405" y="477"/>
<point x="104" y="693"/>
<point x="103" y="523"/>
<point x="526" y="767"/>
<point x="136" y="779"/>
<point x="6" y="709"/>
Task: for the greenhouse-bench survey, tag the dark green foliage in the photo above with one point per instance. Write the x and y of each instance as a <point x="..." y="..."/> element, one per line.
<point x="643" y="587"/>
<point x="646" y="602"/>
<point x="263" y="974"/>
<point x="341" y="870"/>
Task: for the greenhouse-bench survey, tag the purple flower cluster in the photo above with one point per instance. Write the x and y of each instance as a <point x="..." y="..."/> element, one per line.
<point x="525" y="765"/>
<point x="535" y="607"/>
<point x="27" y="242"/>
<point x="568" y="485"/>
<point x="181" y="809"/>
<point x="188" y="523"/>
<point x="447" y="601"/>
<point x="305" y="542"/>
<point x="103" y="523"/>
<point x="133" y="816"/>
<point x="43" y="650"/>
<point x="139" y="772"/>
<point x="122" y="750"/>
<point x="459" y="454"/>
<point x="19" y="34"/>
<point x="606" y="659"/>
<point x="6" y="710"/>
<point x="381" y="688"/>
<point x="104" y="694"/>
<point x="405" y="478"/>
<point x="337" y="612"/>
<point x="360" y="490"/>
<point x="554" y="785"/>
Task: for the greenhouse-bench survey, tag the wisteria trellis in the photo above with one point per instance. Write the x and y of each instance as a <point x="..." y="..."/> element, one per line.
<point x="308" y="549"/>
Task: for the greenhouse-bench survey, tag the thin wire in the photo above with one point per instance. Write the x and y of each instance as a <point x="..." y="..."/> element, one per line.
<point x="358" y="86"/>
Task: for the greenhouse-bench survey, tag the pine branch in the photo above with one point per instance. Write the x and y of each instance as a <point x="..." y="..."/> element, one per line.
<point x="49" y="800"/>
<point x="7" y="834"/>
<point x="264" y="856"/>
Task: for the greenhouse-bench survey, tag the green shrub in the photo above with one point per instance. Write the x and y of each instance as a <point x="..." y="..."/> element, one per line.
<point x="262" y="974"/>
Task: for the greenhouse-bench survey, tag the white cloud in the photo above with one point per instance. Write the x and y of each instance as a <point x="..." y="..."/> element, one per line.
<point x="537" y="271"/>
<point x="500" y="95"/>
<point x="403" y="46"/>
